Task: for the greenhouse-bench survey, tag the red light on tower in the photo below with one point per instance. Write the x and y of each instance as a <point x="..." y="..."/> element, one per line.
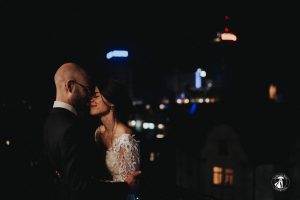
<point x="226" y="17"/>
<point x="226" y="30"/>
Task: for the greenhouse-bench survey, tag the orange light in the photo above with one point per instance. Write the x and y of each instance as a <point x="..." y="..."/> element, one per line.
<point x="217" y="175"/>
<point x="228" y="36"/>
<point x="273" y="92"/>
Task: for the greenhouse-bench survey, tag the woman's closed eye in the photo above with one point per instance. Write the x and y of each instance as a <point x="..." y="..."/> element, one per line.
<point x="96" y="95"/>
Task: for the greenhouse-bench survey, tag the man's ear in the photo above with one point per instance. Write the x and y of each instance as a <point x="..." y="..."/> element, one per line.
<point x="69" y="85"/>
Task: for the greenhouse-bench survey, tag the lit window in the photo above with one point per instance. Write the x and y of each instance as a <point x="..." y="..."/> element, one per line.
<point x="152" y="156"/>
<point x="217" y="175"/>
<point x="228" y="176"/>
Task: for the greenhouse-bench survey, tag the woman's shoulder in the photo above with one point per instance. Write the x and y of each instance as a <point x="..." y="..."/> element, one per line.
<point x="124" y="130"/>
<point x="125" y="136"/>
<point x="126" y="141"/>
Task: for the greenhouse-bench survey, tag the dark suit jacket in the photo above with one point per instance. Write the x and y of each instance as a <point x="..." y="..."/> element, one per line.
<point x="69" y="148"/>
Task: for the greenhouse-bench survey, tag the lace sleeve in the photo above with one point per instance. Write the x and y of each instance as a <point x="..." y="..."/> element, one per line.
<point x="128" y="156"/>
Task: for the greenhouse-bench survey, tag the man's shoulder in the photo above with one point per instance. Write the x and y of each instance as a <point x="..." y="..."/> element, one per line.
<point x="61" y="111"/>
<point x="62" y="114"/>
<point x="60" y="118"/>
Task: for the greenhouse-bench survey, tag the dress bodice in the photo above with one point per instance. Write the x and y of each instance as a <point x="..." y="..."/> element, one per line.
<point x="123" y="157"/>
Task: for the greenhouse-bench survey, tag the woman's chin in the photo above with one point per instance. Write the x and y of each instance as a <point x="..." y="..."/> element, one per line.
<point x="92" y="113"/>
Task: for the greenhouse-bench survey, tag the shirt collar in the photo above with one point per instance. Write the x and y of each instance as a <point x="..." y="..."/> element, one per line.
<point x="60" y="104"/>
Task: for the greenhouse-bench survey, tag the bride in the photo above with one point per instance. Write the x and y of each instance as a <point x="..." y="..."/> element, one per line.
<point x="111" y="104"/>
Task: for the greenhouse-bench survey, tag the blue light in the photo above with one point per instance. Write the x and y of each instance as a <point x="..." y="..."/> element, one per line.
<point x="117" y="53"/>
<point x="193" y="109"/>
<point x="198" y="80"/>
<point x="166" y="106"/>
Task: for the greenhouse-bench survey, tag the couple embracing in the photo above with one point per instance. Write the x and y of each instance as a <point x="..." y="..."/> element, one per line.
<point x="69" y="145"/>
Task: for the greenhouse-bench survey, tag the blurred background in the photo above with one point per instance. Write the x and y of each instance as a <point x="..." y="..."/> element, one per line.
<point x="214" y="90"/>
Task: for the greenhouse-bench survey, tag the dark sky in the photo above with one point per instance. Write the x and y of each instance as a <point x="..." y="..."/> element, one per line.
<point x="36" y="39"/>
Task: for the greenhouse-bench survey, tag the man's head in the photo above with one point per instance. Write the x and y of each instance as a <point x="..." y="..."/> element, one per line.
<point x="72" y="85"/>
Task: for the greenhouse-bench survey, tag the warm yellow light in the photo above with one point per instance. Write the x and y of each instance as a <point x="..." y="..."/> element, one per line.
<point x="228" y="36"/>
<point x="162" y="106"/>
<point x="273" y="92"/>
<point x="217" y="39"/>
<point x="179" y="101"/>
<point x="207" y="100"/>
<point x="152" y="156"/>
<point x="186" y="101"/>
<point x="160" y="136"/>
<point x="200" y="100"/>
<point x="160" y="126"/>
<point x="217" y="175"/>
<point x="132" y="123"/>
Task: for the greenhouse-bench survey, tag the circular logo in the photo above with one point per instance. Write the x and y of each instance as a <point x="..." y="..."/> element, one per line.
<point x="280" y="182"/>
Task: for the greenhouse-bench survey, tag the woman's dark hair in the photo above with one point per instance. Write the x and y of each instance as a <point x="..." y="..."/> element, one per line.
<point x="116" y="92"/>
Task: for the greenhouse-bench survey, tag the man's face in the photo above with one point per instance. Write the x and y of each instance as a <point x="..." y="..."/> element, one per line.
<point x="82" y="93"/>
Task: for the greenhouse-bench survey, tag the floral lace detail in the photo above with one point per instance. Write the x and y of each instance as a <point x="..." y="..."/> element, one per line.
<point x="123" y="157"/>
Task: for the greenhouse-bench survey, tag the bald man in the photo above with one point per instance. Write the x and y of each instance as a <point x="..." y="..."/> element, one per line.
<point x="69" y="145"/>
<point x="72" y="86"/>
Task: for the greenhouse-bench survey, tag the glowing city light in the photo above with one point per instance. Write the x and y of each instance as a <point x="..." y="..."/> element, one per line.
<point x="160" y="126"/>
<point x="198" y="81"/>
<point x="117" y="53"/>
<point x="228" y="36"/>
<point x="203" y="73"/>
<point x="160" y="136"/>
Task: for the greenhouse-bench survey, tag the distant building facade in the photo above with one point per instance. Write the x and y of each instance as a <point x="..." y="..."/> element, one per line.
<point x="219" y="169"/>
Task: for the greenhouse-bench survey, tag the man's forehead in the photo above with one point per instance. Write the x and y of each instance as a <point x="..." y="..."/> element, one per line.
<point x="83" y="77"/>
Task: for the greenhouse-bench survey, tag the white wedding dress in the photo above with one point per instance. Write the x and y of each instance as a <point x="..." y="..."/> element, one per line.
<point x="123" y="158"/>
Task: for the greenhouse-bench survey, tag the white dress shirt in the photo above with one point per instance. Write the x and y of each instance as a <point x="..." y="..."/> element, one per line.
<point x="60" y="104"/>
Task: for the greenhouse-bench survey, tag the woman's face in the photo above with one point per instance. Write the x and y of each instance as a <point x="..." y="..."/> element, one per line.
<point x="99" y="105"/>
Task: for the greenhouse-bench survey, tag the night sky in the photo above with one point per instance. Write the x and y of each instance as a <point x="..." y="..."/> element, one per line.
<point x="36" y="39"/>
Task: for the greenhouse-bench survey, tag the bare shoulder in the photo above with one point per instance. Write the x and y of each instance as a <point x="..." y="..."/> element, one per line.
<point x="123" y="130"/>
